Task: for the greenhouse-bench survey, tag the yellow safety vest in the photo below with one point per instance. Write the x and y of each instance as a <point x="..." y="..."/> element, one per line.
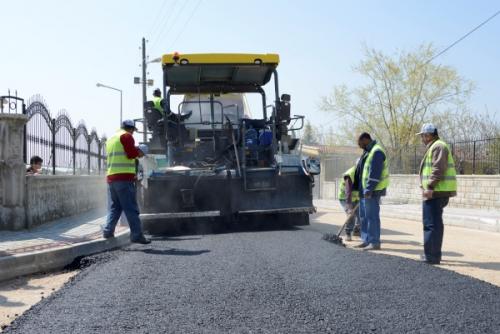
<point x="449" y="179"/>
<point x="117" y="160"/>
<point x="157" y="104"/>
<point x="355" y="194"/>
<point x="383" y="183"/>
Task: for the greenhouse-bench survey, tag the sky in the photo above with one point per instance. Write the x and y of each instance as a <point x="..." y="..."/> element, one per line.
<point x="61" y="49"/>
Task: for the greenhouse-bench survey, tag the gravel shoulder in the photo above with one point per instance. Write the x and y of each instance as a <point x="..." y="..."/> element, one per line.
<point x="20" y="294"/>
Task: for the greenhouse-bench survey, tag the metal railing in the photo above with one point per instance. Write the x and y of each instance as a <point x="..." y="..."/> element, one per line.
<point x="64" y="148"/>
<point x="478" y="156"/>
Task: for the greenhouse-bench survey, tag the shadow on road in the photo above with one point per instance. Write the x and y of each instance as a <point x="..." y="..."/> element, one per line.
<point x="167" y="238"/>
<point x="416" y="251"/>
<point x="4" y="302"/>
<point x="495" y="266"/>
<point x="170" y="251"/>
<point x="334" y="228"/>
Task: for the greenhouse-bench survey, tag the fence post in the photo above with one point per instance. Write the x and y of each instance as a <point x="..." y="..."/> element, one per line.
<point x="99" y="150"/>
<point x="53" y="129"/>
<point x="88" y="156"/>
<point x="415" y="161"/>
<point x="74" y="150"/>
<point x="474" y="157"/>
<point x="25" y="143"/>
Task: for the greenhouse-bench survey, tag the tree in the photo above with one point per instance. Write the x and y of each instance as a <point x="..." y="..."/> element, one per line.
<point x="401" y="93"/>
<point x="309" y="134"/>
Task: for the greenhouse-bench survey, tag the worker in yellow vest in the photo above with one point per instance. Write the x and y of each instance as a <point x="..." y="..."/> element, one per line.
<point x="157" y="101"/>
<point x="438" y="182"/>
<point x="372" y="180"/>
<point x="121" y="174"/>
<point x="349" y="200"/>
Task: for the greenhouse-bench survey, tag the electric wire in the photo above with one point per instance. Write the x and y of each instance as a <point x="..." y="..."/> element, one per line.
<point x="186" y="24"/>
<point x="174" y="21"/>
<point x="463" y="37"/>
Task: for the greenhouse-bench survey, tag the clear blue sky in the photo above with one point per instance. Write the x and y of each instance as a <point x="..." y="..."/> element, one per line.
<point x="60" y="49"/>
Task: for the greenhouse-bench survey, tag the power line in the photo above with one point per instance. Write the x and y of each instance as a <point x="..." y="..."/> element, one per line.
<point x="174" y="21"/>
<point x="186" y="23"/>
<point x="156" y="20"/>
<point x="158" y="30"/>
<point x="463" y="37"/>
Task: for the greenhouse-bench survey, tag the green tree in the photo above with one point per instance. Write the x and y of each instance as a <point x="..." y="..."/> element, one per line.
<point x="309" y="134"/>
<point x="400" y="93"/>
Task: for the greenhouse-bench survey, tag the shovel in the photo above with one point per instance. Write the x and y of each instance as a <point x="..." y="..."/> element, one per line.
<point x="336" y="238"/>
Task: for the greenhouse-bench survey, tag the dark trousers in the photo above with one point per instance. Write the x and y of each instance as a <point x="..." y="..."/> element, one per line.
<point x="122" y="198"/>
<point x="369" y="213"/>
<point x="433" y="227"/>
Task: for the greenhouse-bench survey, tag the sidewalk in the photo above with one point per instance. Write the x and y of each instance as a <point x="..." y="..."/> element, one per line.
<point x="56" y="244"/>
<point x="467" y="251"/>
<point x="477" y="219"/>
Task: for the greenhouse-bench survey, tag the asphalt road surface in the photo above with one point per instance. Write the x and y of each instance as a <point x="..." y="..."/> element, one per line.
<point x="281" y="281"/>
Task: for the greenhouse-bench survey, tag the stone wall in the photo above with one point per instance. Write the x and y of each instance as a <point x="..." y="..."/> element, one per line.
<point x="474" y="191"/>
<point x="52" y="197"/>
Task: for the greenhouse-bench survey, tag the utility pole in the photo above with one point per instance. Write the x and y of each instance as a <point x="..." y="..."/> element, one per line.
<point x="144" y="89"/>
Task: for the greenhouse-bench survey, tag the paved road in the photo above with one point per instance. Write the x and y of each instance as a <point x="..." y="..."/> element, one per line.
<point x="265" y="282"/>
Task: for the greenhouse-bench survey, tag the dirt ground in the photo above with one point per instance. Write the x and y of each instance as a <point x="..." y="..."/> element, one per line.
<point x="19" y="294"/>
<point x="468" y="252"/>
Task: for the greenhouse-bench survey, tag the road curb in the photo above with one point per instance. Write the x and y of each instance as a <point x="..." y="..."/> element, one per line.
<point x="46" y="260"/>
<point x="469" y="222"/>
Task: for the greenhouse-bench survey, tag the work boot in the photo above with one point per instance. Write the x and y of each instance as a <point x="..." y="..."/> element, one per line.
<point x="372" y="247"/>
<point x="424" y="259"/>
<point x="348" y="237"/>
<point x="362" y="245"/>
<point x="108" y="235"/>
<point x="141" y="240"/>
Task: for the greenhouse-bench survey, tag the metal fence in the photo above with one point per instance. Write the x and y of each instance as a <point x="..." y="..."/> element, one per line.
<point x="480" y="157"/>
<point x="64" y="148"/>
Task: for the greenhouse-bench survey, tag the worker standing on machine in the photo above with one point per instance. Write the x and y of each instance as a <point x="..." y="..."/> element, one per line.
<point x="157" y="101"/>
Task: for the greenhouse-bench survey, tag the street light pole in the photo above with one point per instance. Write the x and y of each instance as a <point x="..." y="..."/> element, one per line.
<point x="144" y="97"/>
<point x="121" y="98"/>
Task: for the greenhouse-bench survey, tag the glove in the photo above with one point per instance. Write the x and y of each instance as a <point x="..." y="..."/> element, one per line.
<point x="144" y="148"/>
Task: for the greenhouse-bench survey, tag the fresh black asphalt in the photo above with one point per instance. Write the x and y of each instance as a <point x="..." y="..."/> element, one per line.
<point x="275" y="281"/>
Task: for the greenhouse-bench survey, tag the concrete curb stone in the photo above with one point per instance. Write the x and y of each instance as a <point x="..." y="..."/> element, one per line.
<point x="51" y="259"/>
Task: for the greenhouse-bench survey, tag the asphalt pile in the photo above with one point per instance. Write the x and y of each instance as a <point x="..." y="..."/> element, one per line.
<point x="262" y="282"/>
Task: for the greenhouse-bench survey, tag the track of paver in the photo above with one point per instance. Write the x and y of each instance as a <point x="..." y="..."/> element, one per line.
<point x="263" y="282"/>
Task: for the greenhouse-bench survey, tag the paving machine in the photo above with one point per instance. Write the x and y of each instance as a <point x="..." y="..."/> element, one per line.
<point x="209" y="157"/>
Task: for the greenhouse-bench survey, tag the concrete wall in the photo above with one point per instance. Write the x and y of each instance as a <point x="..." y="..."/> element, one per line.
<point x="474" y="191"/>
<point x="52" y="197"/>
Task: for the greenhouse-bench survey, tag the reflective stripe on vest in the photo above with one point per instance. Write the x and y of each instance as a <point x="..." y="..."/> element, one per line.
<point x="448" y="181"/>
<point x="117" y="160"/>
<point x="383" y="183"/>
<point x="354" y="194"/>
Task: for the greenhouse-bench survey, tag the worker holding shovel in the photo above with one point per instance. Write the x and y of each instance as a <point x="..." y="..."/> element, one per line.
<point x="349" y="200"/>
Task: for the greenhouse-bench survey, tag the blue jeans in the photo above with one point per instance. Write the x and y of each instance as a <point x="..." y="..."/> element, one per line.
<point x="433" y="227"/>
<point x="353" y="221"/>
<point x="369" y="213"/>
<point x="122" y="198"/>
